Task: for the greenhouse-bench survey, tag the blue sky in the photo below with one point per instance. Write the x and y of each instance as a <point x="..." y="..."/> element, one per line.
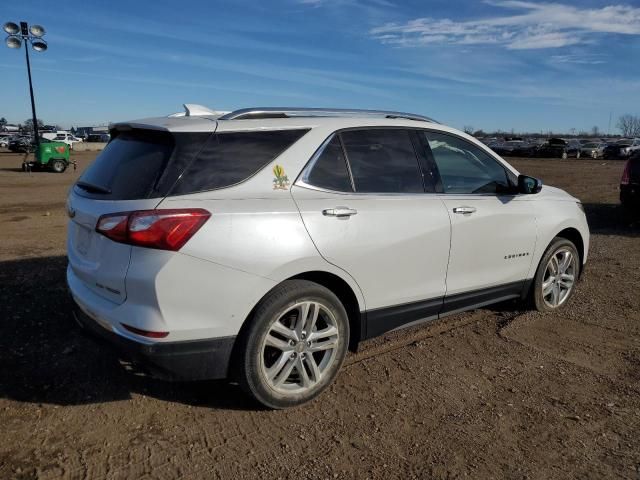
<point x="496" y="64"/>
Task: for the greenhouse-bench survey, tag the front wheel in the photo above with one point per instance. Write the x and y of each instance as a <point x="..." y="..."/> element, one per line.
<point x="294" y="345"/>
<point x="557" y="274"/>
<point x="564" y="155"/>
<point x="58" y="166"/>
<point x="578" y="154"/>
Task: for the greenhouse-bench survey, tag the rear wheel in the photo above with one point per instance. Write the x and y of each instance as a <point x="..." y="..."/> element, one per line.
<point x="294" y="346"/>
<point x="564" y="155"/>
<point x="58" y="165"/>
<point x="556" y="276"/>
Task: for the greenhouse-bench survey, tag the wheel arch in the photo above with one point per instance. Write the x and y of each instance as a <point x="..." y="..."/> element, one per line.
<point x="574" y="236"/>
<point x="339" y="287"/>
<point x="346" y="295"/>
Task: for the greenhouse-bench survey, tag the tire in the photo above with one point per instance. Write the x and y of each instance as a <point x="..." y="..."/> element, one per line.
<point x="275" y="348"/>
<point x="578" y="154"/>
<point x="546" y="302"/>
<point x="58" y="165"/>
<point x="594" y="154"/>
<point x="564" y="155"/>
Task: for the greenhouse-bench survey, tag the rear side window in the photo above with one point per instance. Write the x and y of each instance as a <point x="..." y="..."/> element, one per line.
<point x="382" y="161"/>
<point x="329" y="169"/>
<point x="230" y="158"/>
<point x="129" y="166"/>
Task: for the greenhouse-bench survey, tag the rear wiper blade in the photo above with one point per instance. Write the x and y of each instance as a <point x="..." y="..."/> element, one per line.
<point x="90" y="187"/>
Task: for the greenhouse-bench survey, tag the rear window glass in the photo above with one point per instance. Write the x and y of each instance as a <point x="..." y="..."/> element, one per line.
<point x="383" y="161"/>
<point x="141" y="164"/>
<point x="129" y="166"/>
<point x="230" y="158"/>
<point x="329" y="169"/>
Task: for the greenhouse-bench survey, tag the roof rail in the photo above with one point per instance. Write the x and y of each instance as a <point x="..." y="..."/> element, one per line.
<point x="284" y="112"/>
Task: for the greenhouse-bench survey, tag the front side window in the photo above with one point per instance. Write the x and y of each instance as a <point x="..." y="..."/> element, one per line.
<point x="465" y="168"/>
<point x="382" y="161"/>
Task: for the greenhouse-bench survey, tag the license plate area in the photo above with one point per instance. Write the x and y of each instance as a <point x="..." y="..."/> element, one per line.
<point x="83" y="240"/>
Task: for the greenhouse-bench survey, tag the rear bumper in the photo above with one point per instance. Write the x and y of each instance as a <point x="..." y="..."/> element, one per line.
<point x="630" y="195"/>
<point x="184" y="360"/>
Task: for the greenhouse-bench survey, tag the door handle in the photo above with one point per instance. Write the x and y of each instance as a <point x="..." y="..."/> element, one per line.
<point x="464" y="210"/>
<point x="339" y="212"/>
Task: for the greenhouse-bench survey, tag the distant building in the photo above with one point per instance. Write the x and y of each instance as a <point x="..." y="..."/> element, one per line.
<point x="84" y="132"/>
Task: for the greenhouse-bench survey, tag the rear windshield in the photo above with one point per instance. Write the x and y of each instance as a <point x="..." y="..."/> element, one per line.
<point x="129" y="166"/>
<point x="142" y="164"/>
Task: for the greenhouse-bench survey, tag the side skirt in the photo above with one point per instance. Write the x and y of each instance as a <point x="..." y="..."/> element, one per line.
<point x="381" y="320"/>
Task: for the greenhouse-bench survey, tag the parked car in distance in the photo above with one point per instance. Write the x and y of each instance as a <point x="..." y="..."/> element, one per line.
<point x="592" y="149"/>
<point x="613" y="150"/>
<point x="62" y="136"/>
<point x="634" y="147"/>
<point x="4" y="142"/>
<point x="630" y="183"/>
<point x="20" y="144"/>
<point x="559" y="148"/>
<point x="262" y="244"/>
<point x="515" y="148"/>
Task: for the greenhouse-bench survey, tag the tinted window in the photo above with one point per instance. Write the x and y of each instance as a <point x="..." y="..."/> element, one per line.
<point x="465" y="168"/>
<point x="329" y="169"/>
<point x="230" y="158"/>
<point x="129" y="166"/>
<point x="382" y="161"/>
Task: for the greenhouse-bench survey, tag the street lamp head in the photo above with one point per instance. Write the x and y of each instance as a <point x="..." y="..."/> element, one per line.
<point x="11" y="28"/>
<point x="37" y="30"/>
<point x="39" y="45"/>
<point x="13" y="41"/>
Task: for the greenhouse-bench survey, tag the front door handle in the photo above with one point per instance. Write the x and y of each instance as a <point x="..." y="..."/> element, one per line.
<point x="464" y="210"/>
<point x="339" y="212"/>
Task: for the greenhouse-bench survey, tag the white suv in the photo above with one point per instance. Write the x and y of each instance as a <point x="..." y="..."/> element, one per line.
<point x="262" y="244"/>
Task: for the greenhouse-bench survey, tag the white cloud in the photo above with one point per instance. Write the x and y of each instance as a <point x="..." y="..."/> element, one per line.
<point x="534" y="25"/>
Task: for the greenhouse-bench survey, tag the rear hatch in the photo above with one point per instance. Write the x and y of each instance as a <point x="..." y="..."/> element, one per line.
<point x="135" y="171"/>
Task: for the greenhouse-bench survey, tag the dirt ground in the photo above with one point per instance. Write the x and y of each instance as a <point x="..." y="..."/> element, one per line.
<point x="494" y="393"/>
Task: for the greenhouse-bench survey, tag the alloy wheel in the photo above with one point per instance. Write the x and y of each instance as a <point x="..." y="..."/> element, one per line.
<point x="559" y="278"/>
<point x="300" y="346"/>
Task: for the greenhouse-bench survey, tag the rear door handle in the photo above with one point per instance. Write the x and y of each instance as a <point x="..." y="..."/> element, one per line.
<point x="339" y="212"/>
<point x="464" y="210"/>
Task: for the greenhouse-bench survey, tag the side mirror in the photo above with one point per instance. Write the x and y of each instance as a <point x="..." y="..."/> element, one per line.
<point x="528" y="185"/>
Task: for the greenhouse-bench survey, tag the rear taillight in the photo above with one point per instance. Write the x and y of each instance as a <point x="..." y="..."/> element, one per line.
<point x="161" y="229"/>
<point x="626" y="174"/>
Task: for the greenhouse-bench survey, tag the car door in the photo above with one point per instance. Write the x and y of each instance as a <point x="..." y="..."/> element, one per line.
<point x="493" y="229"/>
<point x="371" y="212"/>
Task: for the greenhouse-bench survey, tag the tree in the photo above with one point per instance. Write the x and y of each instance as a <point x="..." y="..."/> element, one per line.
<point x="468" y="129"/>
<point x="3" y="122"/>
<point x="28" y="124"/>
<point x="629" y="125"/>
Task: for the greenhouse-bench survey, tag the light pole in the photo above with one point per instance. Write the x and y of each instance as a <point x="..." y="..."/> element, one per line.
<point x="32" y="35"/>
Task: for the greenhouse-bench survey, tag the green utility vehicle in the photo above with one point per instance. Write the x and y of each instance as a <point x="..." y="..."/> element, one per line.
<point x="48" y="154"/>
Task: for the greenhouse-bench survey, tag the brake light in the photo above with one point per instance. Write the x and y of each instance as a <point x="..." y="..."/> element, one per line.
<point x="166" y="229"/>
<point x="626" y="173"/>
